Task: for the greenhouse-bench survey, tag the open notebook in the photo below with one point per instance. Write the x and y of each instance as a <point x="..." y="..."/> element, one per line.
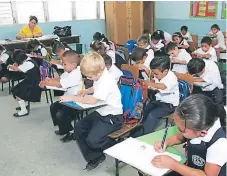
<point x="138" y="155"/>
<point x="84" y="106"/>
<point x="55" y="88"/>
<point x="201" y="84"/>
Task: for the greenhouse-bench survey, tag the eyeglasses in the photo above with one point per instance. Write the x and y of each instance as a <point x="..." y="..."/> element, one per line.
<point x="185" y="118"/>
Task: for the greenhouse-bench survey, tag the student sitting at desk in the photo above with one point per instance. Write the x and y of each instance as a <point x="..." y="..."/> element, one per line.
<point x="58" y="49"/>
<point x="206" y="51"/>
<point x="93" y="130"/>
<point x="28" y="89"/>
<point x="206" y="71"/>
<point x="37" y="51"/>
<point x="114" y="71"/>
<point x="140" y="57"/>
<point x="143" y="42"/>
<point x="181" y="42"/>
<point x="216" y="33"/>
<point x="31" y="30"/>
<point x="157" y="41"/>
<point x="202" y="124"/>
<point x="71" y="80"/>
<point x="167" y="97"/>
<point x="185" y="34"/>
<point x="179" y="58"/>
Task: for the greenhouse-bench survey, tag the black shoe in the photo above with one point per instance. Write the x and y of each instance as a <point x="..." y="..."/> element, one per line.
<point x="18" y="108"/>
<point x="68" y="137"/>
<point x="57" y="132"/>
<point x="17" y="115"/>
<point x="94" y="163"/>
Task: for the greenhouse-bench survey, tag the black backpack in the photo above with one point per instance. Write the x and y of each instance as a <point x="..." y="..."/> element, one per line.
<point x="62" y="31"/>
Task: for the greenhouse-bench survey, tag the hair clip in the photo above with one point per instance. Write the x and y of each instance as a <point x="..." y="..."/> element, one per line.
<point x="92" y="43"/>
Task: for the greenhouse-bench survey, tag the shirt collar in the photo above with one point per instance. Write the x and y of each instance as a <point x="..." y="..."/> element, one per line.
<point x="212" y="130"/>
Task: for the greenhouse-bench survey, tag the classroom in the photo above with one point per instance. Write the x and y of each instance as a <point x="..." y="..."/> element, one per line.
<point x="113" y="88"/>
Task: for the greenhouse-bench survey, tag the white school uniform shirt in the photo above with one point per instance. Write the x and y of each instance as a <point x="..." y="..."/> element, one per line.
<point x="115" y="72"/>
<point x="167" y="36"/>
<point x="111" y="53"/>
<point x="106" y="89"/>
<point x="26" y="65"/>
<point x="212" y="76"/>
<point x="150" y="56"/>
<point x="71" y="81"/>
<point x="181" y="68"/>
<point x="188" y="35"/>
<point x="171" y="93"/>
<point x="211" y="51"/>
<point x="184" y="42"/>
<point x="216" y="153"/>
<point x="43" y="50"/>
<point x="4" y="57"/>
<point x="221" y="40"/>
<point x="159" y="45"/>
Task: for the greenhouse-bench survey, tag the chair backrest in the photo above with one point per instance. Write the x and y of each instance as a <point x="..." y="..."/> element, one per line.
<point x="193" y="45"/>
<point x="131" y="68"/>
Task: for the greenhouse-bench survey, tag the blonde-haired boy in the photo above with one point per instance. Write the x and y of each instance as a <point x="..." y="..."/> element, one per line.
<point x="93" y="130"/>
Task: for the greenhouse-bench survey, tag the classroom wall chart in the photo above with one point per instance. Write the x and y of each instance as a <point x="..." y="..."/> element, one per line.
<point x="224" y="10"/>
<point x="203" y="9"/>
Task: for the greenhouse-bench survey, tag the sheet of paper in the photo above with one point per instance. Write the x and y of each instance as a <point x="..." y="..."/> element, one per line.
<point x="59" y="66"/>
<point x="138" y="155"/>
<point x="55" y="88"/>
<point x="201" y="84"/>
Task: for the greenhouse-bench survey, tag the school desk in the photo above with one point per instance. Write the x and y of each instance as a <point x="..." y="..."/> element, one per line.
<point x="46" y="40"/>
<point x="80" y="109"/>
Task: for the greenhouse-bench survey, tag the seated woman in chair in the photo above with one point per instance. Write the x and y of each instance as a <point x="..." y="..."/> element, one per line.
<point x="31" y="30"/>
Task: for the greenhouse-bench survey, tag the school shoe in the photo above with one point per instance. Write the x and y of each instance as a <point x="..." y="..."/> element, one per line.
<point x="57" y="132"/>
<point x="19" y="108"/>
<point x="68" y="137"/>
<point x="94" y="163"/>
<point x="23" y="111"/>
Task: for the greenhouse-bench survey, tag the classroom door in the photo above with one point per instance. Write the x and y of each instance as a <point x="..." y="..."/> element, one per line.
<point x="149" y="15"/>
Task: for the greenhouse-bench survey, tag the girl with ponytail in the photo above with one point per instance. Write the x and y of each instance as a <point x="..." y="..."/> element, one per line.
<point x="202" y="126"/>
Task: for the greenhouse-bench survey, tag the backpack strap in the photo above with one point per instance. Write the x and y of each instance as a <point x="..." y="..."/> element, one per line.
<point x="220" y="133"/>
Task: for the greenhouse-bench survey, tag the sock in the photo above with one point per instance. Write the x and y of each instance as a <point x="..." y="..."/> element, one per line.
<point x="23" y="108"/>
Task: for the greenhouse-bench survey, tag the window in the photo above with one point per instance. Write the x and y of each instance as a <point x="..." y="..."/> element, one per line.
<point x="60" y="12"/>
<point x="6" y="13"/>
<point x="86" y="10"/>
<point x="102" y="10"/>
<point x="27" y="8"/>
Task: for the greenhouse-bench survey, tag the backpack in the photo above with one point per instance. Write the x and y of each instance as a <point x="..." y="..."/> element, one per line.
<point x="184" y="89"/>
<point x="62" y="31"/>
<point x="130" y="45"/>
<point x="119" y="61"/>
<point x="131" y="99"/>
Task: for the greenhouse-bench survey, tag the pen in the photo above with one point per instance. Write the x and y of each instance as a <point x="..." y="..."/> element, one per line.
<point x="164" y="137"/>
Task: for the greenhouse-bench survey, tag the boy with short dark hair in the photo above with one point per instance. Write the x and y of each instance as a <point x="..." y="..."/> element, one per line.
<point x="71" y="80"/>
<point x="178" y="57"/>
<point x="114" y="71"/>
<point x="207" y="71"/>
<point x="185" y="34"/>
<point x="206" y="51"/>
<point x="167" y="97"/>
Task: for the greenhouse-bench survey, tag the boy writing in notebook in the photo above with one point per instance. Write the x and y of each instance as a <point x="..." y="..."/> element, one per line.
<point x="178" y="57"/>
<point x="206" y="51"/>
<point x="167" y="96"/>
<point x="206" y="71"/>
<point x="71" y="81"/>
<point x="93" y="130"/>
<point x="114" y="71"/>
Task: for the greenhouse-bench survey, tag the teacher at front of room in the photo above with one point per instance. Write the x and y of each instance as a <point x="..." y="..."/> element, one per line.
<point x="31" y="30"/>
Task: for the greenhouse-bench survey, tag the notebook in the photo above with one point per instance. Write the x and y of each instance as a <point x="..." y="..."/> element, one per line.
<point x="201" y="84"/>
<point x="84" y="106"/>
<point x="139" y="155"/>
<point x="55" y="88"/>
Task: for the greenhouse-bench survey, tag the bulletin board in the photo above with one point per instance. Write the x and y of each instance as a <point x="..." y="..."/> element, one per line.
<point x="224" y="10"/>
<point x="203" y="9"/>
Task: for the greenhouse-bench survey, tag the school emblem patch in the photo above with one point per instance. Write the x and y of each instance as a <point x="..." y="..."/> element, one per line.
<point x="198" y="161"/>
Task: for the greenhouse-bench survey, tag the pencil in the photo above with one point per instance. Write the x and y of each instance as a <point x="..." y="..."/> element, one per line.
<point x="83" y="87"/>
<point x="164" y="137"/>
